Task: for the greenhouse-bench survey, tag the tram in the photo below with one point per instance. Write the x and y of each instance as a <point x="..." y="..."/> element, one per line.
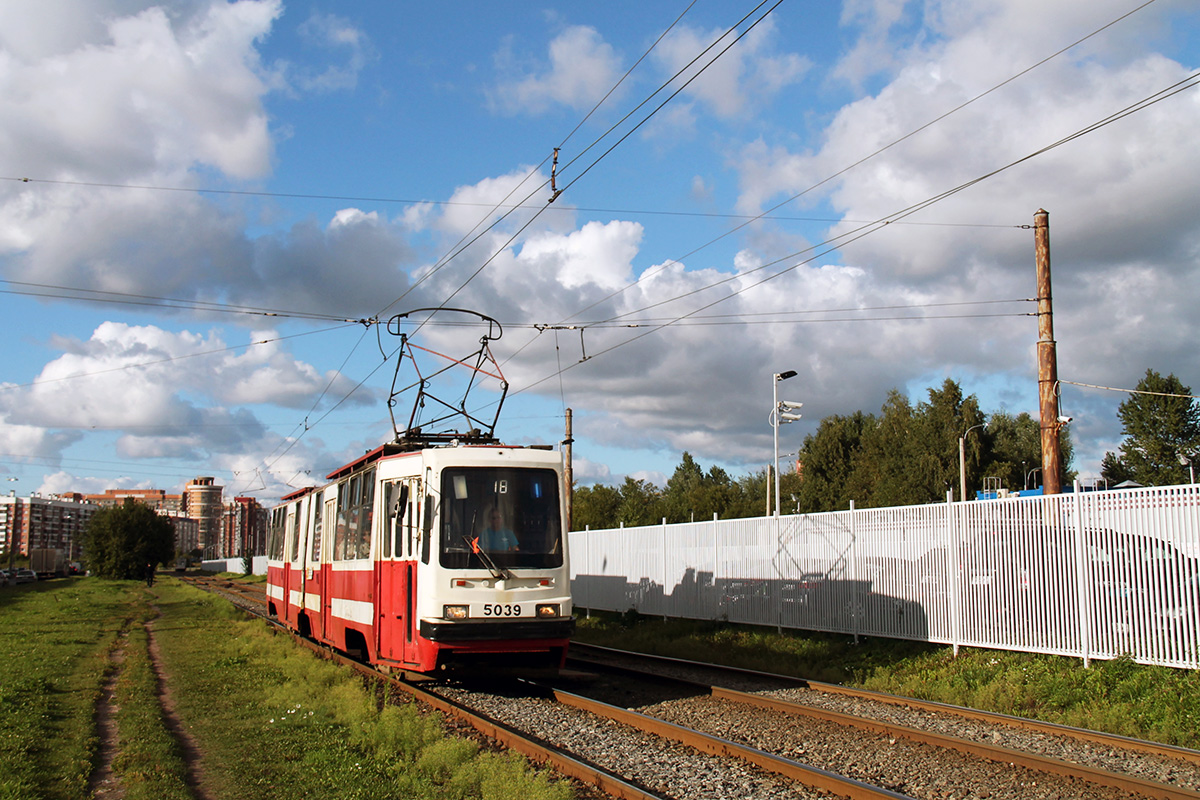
<point x="428" y="559"/>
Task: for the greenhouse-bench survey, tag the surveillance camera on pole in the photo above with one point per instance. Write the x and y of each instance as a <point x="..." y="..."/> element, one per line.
<point x="784" y="407"/>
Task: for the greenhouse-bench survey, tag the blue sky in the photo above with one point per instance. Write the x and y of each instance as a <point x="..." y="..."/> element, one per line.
<point x="320" y="159"/>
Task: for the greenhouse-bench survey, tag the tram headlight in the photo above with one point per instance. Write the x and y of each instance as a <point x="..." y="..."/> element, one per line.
<point x="454" y="612"/>
<point x="548" y="610"/>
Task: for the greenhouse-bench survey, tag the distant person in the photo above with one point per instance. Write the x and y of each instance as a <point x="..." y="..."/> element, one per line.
<point x="497" y="537"/>
<point x="149" y="574"/>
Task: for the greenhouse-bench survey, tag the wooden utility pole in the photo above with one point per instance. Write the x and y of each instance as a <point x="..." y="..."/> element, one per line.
<point x="1047" y="357"/>
<point x="568" y="471"/>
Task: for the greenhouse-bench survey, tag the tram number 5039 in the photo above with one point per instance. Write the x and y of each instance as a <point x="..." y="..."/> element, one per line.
<point x="501" y="610"/>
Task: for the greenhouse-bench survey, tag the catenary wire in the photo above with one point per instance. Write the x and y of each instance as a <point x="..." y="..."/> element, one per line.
<point x="496" y="253"/>
<point x="866" y="158"/>
<point x="124" y="298"/>
<point x="1187" y="83"/>
<point x="460" y="246"/>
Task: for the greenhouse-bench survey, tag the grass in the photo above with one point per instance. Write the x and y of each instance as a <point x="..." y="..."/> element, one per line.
<point x="1146" y="702"/>
<point x="148" y="762"/>
<point x="275" y="720"/>
<point x="271" y="719"/>
<point x="54" y="644"/>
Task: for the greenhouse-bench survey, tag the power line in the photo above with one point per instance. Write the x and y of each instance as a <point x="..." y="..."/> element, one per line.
<point x="1170" y="91"/>
<point x="1132" y="391"/>
<point x="101" y="296"/>
<point x="861" y="161"/>
<point x="597" y="160"/>
<point x="631" y="212"/>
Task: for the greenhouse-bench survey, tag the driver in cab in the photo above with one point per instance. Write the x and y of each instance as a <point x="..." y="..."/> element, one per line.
<point x="497" y="537"/>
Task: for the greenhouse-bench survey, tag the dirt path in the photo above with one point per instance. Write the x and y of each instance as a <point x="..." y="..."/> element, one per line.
<point x="193" y="758"/>
<point x="102" y="783"/>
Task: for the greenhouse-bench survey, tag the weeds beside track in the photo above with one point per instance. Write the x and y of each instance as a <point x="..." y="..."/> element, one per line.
<point x="263" y="719"/>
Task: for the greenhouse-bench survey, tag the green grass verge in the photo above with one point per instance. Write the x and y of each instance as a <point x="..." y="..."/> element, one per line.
<point x="148" y="762"/>
<point x="1155" y="703"/>
<point x="54" y="643"/>
<point x="275" y="720"/>
<point x="272" y="720"/>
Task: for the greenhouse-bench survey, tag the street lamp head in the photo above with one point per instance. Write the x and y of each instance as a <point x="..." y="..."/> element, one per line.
<point x="783" y="376"/>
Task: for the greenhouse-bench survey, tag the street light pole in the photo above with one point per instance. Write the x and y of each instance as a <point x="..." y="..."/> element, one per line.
<point x="962" y="461"/>
<point x="775" y="414"/>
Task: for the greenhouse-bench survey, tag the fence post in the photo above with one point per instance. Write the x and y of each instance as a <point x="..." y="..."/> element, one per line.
<point x="664" y="569"/>
<point x="1084" y="601"/>
<point x="775" y="582"/>
<point x="952" y="571"/>
<point x="856" y="603"/>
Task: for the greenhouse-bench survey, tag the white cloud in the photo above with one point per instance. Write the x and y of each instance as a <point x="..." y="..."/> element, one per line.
<point x="581" y="69"/>
<point x="745" y="77"/>
<point x="144" y="95"/>
<point x="597" y="254"/>
<point x="165" y="394"/>
<point x="1123" y="246"/>
<point x="335" y="34"/>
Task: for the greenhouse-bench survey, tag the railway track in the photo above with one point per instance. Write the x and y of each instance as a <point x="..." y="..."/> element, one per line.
<point x="965" y="752"/>
<point x="661" y="729"/>
<point x="250" y="596"/>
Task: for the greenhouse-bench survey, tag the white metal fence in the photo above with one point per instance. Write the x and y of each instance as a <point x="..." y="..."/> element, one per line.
<point x="1086" y="574"/>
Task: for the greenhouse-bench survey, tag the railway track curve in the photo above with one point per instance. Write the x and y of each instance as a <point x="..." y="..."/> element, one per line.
<point x="669" y="729"/>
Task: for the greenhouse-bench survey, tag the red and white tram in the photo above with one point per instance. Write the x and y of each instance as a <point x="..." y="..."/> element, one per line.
<point x="424" y="558"/>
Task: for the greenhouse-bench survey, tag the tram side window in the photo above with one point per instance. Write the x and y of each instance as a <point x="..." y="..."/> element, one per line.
<point x="366" y="514"/>
<point x="355" y="512"/>
<point x="294" y="550"/>
<point x="278" y="521"/>
<point x="412" y="520"/>
<point x="341" y="530"/>
<point x="317" y="507"/>
<point x="396" y="505"/>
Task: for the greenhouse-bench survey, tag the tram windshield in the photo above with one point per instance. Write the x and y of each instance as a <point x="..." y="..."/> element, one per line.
<point x="500" y="517"/>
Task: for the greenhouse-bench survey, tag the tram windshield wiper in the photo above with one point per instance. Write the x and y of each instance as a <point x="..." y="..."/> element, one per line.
<point x="498" y="572"/>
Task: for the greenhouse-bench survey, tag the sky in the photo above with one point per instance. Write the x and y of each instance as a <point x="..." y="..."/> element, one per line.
<point x="210" y="211"/>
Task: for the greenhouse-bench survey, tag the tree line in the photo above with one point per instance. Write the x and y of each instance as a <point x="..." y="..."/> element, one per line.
<point x="907" y="454"/>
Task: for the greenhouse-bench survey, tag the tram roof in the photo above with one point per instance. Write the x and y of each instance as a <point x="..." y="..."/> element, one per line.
<point x="296" y="495"/>
<point x="415" y="444"/>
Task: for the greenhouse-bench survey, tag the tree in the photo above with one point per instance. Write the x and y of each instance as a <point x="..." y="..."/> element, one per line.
<point x="941" y="422"/>
<point x="1013" y="451"/>
<point x="121" y="540"/>
<point x="832" y="471"/>
<point x="1161" y="422"/>
<point x="641" y="503"/>
<point x="595" y="507"/>
<point x="693" y="494"/>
